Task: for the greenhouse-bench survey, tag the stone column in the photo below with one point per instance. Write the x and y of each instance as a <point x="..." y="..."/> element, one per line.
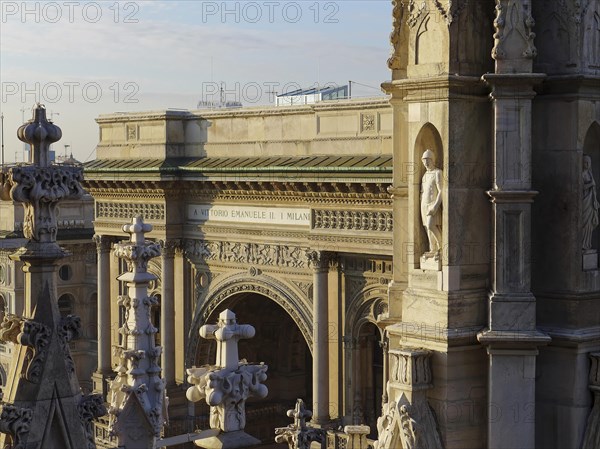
<point x="320" y="264"/>
<point x="103" y="244"/>
<point x="385" y="345"/>
<point x="511" y="337"/>
<point x="167" y="312"/>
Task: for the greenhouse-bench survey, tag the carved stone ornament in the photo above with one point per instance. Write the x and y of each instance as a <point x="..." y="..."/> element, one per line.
<point x="514" y="34"/>
<point x="90" y="407"/>
<point x="398" y="12"/>
<point x="138" y="401"/>
<point x="29" y="333"/>
<point x="39" y="187"/>
<point x="298" y="435"/>
<point x="69" y="329"/>
<point x="227" y="385"/>
<point x="15" y="421"/>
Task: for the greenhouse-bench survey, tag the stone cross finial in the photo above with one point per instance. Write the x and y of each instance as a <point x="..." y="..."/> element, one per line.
<point x="298" y="435"/>
<point x="300" y="414"/>
<point x="137" y="229"/>
<point x="40" y="134"/>
<point x="227" y="333"/>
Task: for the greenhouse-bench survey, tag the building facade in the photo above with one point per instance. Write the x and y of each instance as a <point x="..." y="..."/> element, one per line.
<point x="280" y="214"/>
<point x="311" y="223"/>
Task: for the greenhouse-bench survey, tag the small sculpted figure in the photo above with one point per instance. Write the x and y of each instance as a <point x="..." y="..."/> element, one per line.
<point x="431" y="203"/>
<point x="590" y="205"/>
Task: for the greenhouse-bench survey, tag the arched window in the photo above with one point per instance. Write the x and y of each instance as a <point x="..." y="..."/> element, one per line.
<point x="156" y="320"/>
<point x="65" y="304"/>
<point x="65" y="272"/>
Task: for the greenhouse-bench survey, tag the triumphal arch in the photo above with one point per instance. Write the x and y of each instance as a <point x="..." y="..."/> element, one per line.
<point x="280" y="214"/>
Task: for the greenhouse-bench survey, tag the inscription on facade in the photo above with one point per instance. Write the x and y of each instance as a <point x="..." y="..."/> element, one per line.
<point x="205" y="213"/>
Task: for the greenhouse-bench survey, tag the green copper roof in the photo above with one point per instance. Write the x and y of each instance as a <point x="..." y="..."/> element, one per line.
<point x="380" y="164"/>
<point x="276" y="164"/>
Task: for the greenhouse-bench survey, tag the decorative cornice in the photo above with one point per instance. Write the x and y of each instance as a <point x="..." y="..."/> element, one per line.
<point x="512" y="196"/>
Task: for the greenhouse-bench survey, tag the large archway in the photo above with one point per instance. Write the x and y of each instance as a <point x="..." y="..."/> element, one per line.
<point x="280" y="344"/>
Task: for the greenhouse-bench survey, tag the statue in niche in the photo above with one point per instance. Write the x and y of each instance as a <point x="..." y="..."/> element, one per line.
<point x="431" y="213"/>
<point x="590" y="204"/>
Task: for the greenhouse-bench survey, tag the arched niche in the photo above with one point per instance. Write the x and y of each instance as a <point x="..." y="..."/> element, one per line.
<point x="591" y="148"/>
<point x="428" y="138"/>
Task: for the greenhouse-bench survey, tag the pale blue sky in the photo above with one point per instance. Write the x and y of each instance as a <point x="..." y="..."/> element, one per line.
<point x="89" y="58"/>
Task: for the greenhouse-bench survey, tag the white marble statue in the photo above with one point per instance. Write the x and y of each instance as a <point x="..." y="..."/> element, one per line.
<point x="589" y="205"/>
<point x="431" y="204"/>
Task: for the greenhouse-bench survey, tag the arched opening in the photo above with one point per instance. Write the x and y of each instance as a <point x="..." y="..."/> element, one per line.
<point x="3" y="309"/>
<point x="368" y="365"/>
<point x="155" y="316"/>
<point x="278" y="343"/>
<point x="65" y="304"/>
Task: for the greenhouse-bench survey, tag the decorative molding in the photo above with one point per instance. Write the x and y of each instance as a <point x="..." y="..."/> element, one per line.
<point x="411" y="368"/>
<point x="368" y="122"/>
<point x="355" y="220"/>
<point x="126" y="211"/>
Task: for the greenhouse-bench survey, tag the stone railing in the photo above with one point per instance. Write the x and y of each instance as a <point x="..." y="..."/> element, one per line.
<point x="352" y="437"/>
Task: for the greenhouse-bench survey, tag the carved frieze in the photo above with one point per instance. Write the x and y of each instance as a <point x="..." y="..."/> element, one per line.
<point x="150" y="211"/>
<point x="380" y="221"/>
<point x="248" y="253"/>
